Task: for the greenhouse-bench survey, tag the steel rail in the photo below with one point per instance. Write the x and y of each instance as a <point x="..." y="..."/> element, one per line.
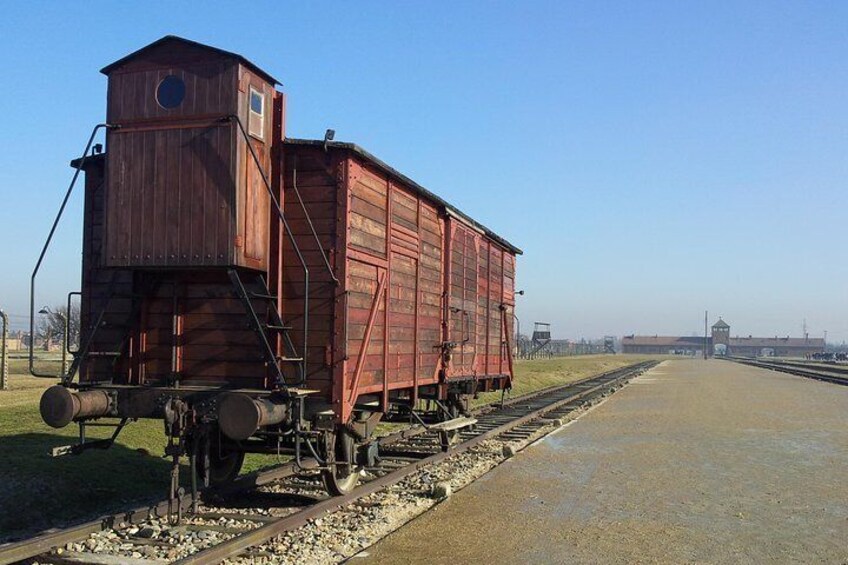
<point x="238" y="544"/>
<point x="18" y="551"/>
<point x="800" y="370"/>
<point x="810" y="365"/>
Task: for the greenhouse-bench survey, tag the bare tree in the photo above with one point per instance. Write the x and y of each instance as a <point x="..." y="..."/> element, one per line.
<point x="51" y="324"/>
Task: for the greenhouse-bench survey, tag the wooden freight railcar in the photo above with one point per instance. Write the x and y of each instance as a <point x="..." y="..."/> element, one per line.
<point x="267" y="294"/>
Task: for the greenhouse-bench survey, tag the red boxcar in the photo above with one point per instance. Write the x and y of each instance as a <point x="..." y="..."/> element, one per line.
<point x="286" y="293"/>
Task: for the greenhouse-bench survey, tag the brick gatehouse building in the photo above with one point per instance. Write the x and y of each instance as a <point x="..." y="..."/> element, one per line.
<point x="720" y="343"/>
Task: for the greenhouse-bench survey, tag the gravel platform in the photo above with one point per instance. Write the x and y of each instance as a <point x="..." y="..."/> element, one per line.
<point x="694" y="462"/>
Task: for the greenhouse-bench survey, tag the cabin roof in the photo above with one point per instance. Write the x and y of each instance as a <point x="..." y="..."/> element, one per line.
<point x="176" y="39"/>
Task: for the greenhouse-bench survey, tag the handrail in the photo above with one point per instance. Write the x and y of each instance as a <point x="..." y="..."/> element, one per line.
<point x="507" y="341"/>
<point x="309" y="221"/>
<point x="291" y="237"/>
<point x="68" y="323"/>
<point x="79" y="166"/>
<point x="4" y="384"/>
<point x="89" y="338"/>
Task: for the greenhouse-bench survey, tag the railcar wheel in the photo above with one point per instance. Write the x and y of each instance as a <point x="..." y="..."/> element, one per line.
<point x="224" y="465"/>
<point x="341" y="478"/>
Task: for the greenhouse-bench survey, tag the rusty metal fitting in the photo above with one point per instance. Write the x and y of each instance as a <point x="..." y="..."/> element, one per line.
<point x="60" y="406"/>
<point x="240" y="416"/>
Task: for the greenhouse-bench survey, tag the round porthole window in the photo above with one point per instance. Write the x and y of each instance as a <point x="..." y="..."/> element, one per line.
<point x="170" y="92"/>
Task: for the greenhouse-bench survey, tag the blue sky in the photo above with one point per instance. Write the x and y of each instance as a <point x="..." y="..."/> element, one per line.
<point x="653" y="159"/>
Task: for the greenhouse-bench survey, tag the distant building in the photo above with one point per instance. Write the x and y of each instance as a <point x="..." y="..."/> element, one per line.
<point x="720" y="343"/>
<point x="662" y="344"/>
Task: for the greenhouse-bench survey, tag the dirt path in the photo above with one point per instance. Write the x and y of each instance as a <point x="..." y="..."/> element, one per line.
<point x="693" y="462"/>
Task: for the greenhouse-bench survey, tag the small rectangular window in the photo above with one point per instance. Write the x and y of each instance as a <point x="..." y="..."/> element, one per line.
<point x="255" y="102"/>
<point x="256" y="117"/>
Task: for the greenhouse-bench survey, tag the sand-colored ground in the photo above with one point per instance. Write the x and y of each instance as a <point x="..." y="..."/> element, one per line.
<point x="694" y="462"/>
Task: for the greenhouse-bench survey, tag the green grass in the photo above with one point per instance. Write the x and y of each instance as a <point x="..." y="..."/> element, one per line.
<point x="38" y="491"/>
<point x="536" y="374"/>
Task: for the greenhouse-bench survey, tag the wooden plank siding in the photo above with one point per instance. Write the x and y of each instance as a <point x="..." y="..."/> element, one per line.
<point x="314" y="178"/>
<point x="184" y="189"/>
<point x="156" y="318"/>
<point x="480" y="290"/>
<point x="462" y="303"/>
<point x="444" y="281"/>
<point x="392" y="232"/>
<point x="96" y="283"/>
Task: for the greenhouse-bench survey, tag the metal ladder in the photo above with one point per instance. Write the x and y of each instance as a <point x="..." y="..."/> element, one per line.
<point x="268" y="326"/>
<point x="276" y="324"/>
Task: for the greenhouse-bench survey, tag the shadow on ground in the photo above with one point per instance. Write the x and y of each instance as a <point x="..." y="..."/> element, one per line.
<point x="38" y="491"/>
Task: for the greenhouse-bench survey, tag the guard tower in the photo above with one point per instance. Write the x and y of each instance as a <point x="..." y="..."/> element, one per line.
<point x="541" y="337"/>
<point x="721" y="338"/>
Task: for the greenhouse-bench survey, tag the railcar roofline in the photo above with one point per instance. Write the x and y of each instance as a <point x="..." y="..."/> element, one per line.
<point x="391" y="171"/>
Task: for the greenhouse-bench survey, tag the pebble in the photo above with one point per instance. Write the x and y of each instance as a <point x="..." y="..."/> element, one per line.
<point x="441" y="490"/>
<point x="146" y="532"/>
<point x="149" y="551"/>
<point x="508" y="450"/>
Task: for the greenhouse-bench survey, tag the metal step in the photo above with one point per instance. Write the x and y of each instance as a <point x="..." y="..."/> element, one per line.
<point x="262" y="295"/>
<point x="455" y="424"/>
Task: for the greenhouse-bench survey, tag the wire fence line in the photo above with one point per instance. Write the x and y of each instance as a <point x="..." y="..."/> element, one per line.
<point x="526" y="348"/>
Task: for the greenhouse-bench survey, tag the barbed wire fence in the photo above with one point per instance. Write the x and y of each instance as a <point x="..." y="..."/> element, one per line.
<point x="525" y="348"/>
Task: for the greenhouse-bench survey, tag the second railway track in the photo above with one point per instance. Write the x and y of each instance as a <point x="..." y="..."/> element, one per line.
<point x="832" y="373"/>
<point x="234" y="523"/>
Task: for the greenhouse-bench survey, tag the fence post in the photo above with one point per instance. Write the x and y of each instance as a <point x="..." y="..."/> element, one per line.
<point x="4" y="367"/>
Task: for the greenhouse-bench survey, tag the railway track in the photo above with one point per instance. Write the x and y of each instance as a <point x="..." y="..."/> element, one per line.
<point x="234" y="523"/>
<point x="831" y="373"/>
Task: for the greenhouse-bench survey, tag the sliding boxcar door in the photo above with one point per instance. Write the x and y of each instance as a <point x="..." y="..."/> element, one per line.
<point x="402" y="319"/>
<point x="462" y="299"/>
<point x="367" y="286"/>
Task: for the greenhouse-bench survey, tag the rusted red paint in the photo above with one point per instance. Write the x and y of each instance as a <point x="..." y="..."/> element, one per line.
<point x="414" y="274"/>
